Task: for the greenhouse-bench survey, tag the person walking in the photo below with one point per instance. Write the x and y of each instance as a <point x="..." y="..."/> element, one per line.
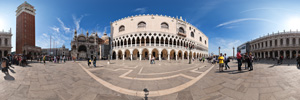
<point x="94" y="61"/>
<point x="203" y="59"/>
<point x="221" y="62"/>
<point x="44" y="59"/>
<point x="281" y="59"/>
<point x="153" y="62"/>
<point x="239" y="59"/>
<point x="226" y="60"/>
<point x="89" y="61"/>
<point x="250" y="61"/>
<point x="298" y="61"/>
<point x="246" y="60"/>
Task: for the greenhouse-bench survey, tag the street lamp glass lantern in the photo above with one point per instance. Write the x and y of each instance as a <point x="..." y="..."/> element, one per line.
<point x="146" y="91"/>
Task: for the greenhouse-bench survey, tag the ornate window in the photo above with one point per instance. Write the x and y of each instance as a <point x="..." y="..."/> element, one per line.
<point x="164" y="25"/>
<point x="192" y="34"/>
<point x="181" y="30"/>
<point x="200" y="38"/>
<point x="141" y="24"/>
<point x="205" y="41"/>
<point x="121" y="28"/>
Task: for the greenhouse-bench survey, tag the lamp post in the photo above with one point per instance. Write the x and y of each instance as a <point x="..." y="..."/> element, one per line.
<point x="233" y="52"/>
<point x="190" y="56"/>
<point x="219" y="50"/>
<point x="146" y="93"/>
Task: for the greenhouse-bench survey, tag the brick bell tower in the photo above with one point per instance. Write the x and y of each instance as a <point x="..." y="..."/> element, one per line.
<point x="25" y="26"/>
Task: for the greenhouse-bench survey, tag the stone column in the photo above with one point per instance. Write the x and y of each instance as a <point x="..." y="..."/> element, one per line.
<point x="290" y="54"/>
<point x="135" y="41"/>
<point x="140" y="56"/>
<point x="273" y="54"/>
<point x="140" y="42"/>
<point x="284" y="54"/>
<point x="150" y="41"/>
<point x="149" y="57"/>
<point x="176" y="56"/>
<point x="159" y="57"/>
<point x="278" y="53"/>
<point x="296" y="54"/>
<point x="117" y="57"/>
<point x="131" y="57"/>
<point x="130" y="42"/>
<point x="188" y="56"/>
<point x="269" y="54"/>
<point x="168" y="56"/>
<point x="159" y="40"/>
<point x="123" y="56"/>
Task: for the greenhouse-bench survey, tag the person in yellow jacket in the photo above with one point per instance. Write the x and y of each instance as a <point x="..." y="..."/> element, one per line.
<point x="221" y="62"/>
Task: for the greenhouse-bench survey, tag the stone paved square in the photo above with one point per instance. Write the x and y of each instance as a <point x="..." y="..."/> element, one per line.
<point x="125" y="80"/>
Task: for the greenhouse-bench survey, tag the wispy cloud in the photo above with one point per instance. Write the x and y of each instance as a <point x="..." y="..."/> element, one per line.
<point x="44" y="34"/>
<point x="66" y="29"/>
<point x="141" y="10"/>
<point x="241" y="20"/>
<point x="77" y="20"/>
<point x="56" y="29"/>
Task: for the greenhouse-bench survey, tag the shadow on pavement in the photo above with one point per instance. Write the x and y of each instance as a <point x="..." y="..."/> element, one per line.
<point x="9" y="77"/>
<point x="12" y="70"/>
<point x="231" y="71"/>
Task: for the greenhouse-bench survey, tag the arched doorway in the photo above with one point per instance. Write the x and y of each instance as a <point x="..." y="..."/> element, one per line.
<point x="114" y="55"/>
<point x="281" y="53"/>
<point x="194" y="55"/>
<point x="287" y="53"/>
<point x="179" y="55"/>
<point x="82" y="52"/>
<point x="127" y="54"/>
<point x="155" y="54"/>
<point x="145" y="54"/>
<point x="120" y="54"/>
<point x="0" y="54"/>
<point x="136" y="54"/>
<point x="294" y="54"/>
<point x="164" y="54"/>
<point x="185" y="55"/>
<point x="173" y="54"/>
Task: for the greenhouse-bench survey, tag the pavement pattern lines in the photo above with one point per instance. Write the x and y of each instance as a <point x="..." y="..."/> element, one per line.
<point x="140" y="71"/>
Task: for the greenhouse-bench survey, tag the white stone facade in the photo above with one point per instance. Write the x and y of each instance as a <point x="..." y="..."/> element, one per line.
<point x="286" y="44"/>
<point x="143" y="36"/>
<point x="5" y="43"/>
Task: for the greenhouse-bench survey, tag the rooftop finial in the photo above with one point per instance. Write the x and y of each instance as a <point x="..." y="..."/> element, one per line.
<point x="104" y="31"/>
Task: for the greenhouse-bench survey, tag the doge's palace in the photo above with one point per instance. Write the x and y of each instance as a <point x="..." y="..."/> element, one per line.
<point x="141" y="37"/>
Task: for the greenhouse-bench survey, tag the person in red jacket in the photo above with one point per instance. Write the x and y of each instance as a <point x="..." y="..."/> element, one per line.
<point x="239" y="59"/>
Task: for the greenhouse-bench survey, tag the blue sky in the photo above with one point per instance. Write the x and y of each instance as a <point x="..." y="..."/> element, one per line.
<point x="227" y="23"/>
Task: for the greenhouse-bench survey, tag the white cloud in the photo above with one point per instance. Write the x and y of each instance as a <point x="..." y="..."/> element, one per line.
<point x="56" y="29"/>
<point x="141" y="10"/>
<point x="45" y="35"/>
<point x="77" y="21"/>
<point x="66" y="29"/>
<point x="241" y="20"/>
